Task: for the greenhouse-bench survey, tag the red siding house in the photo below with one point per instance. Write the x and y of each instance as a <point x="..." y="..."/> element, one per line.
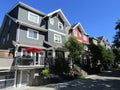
<point x="80" y="34"/>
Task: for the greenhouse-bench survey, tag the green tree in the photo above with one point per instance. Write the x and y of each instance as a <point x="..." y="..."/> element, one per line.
<point x="116" y="41"/>
<point x="118" y="24"/>
<point x="99" y="52"/>
<point x="117" y="55"/>
<point x="75" y="48"/>
<point x="95" y="53"/>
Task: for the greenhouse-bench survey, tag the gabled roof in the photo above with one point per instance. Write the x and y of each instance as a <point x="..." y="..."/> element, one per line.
<point x="101" y="37"/>
<point x="28" y="7"/>
<point x="79" y="26"/>
<point x="59" y="11"/>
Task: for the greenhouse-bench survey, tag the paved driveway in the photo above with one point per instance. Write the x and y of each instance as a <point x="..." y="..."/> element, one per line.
<point x="104" y="81"/>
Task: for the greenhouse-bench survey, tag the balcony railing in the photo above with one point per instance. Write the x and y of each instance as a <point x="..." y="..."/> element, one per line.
<point x="30" y="61"/>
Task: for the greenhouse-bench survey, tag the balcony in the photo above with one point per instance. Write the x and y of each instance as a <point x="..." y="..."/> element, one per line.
<point x="30" y="62"/>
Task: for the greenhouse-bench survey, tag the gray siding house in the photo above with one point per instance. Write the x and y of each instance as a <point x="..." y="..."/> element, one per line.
<point x="27" y="32"/>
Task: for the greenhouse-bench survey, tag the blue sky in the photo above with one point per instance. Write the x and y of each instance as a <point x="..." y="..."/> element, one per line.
<point x="97" y="17"/>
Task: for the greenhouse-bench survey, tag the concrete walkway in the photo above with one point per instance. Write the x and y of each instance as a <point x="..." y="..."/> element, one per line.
<point x="104" y="81"/>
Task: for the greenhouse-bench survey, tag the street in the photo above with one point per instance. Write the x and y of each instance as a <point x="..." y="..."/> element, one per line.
<point x="104" y="81"/>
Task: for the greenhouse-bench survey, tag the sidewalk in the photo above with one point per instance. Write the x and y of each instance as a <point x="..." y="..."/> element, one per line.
<point x="30" y="88"/>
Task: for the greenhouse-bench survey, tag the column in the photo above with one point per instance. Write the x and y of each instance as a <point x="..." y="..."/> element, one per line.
<point x="20" y="83"/>
<point x="39" y="59"/>
<point x="34" y="55"/>
<point x="15" y="79"/>
<point x="53" y="56"/>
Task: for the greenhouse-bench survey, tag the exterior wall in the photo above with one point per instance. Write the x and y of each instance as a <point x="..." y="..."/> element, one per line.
<point x="6" y="63"/>
<point x="14" y="13"/>
<point x="51" y="37"/>
<point x="80" y="36"/>
<point x="55" y="24"/>
<point x="6" y="79"/>
<point x="9" y="34"/>
<point x="23" y="16"/>
<point x="53" y="29"/>
<point x="24" y="40"/>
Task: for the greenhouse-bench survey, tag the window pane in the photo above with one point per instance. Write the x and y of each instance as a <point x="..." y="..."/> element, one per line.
<point x="32" y="34"/>
<point x="33" y="17"/>
<point x="57" y="38"/>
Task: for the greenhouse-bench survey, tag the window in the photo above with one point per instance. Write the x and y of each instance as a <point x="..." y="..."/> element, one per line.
<point x="8" y="36"/>
<point x="75" y="33"/>
<point x="33" y="17"/>
<point x="51" y="21"/>
<point x="80" y="34"/>
<point x="84" y="38"/>
<point x="4" y="40"/>
<point x="32" y="34"/>
<point x="57" y="38"/>
<point x="9" y="23"/>
<point x="60" y="26"/>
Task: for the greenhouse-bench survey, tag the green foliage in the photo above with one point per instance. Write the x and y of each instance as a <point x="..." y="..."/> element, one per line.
<point x="106" y="55"/>
<point x="117" y="54"/>
<point x="117" y="39"/>
<point x="61" y="66"/>
<point x="96" y="53"/>
<point x="45" y="72"/>
<point x="101" y="53"/>
<point x="75" y="48"/>
<point x="109" y="56"/>
<point x="117" y="24"/>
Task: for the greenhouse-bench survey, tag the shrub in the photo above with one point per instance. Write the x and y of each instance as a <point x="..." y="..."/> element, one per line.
<point x="45" y="72"/>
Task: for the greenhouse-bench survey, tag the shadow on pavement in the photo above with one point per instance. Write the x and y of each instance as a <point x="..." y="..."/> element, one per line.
<point x="115" y="73"/>
<point x="88" y="84"/>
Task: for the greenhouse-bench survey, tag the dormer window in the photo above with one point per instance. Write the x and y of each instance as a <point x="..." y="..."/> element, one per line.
<point x="85" y="38"/>
<point x="60" y="26"/>
<point x="51" y="21"/>
<point x="33" y="17"/>
<point x="75" y="33"/>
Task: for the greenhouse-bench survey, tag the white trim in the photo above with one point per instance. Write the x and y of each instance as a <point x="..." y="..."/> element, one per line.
<point x="35" y="15"/>
<point x="59" y="10"/>
<point x="81" y="27"/>
<point x="6" y="79"/>
<point x="33" y="31"/>
<point x="57" y="32"/>
<point x="18" y="34"/>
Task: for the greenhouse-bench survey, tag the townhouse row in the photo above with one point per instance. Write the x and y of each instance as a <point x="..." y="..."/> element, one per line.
<point x="27" y="32"/>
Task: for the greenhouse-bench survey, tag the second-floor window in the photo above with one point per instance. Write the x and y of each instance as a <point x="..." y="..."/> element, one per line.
<point x="32" y="34"/>
<point x="33" y="17"/>
<point x="75" y="33"/>
<point x="57" y="38"/>
<point x="60" y="26"/>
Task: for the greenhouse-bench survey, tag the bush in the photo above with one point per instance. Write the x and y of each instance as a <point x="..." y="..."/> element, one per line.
<point x="45" y="72"/>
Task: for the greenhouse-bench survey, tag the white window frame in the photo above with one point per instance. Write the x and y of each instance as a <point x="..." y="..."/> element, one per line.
<point x="30" y="14"/>
<point x="28" y="36"/>
<point x="59" y="23"/>
<point x="56" y="40"/>
<point x="84" y="37"/>
<point x="75" y="33"/>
